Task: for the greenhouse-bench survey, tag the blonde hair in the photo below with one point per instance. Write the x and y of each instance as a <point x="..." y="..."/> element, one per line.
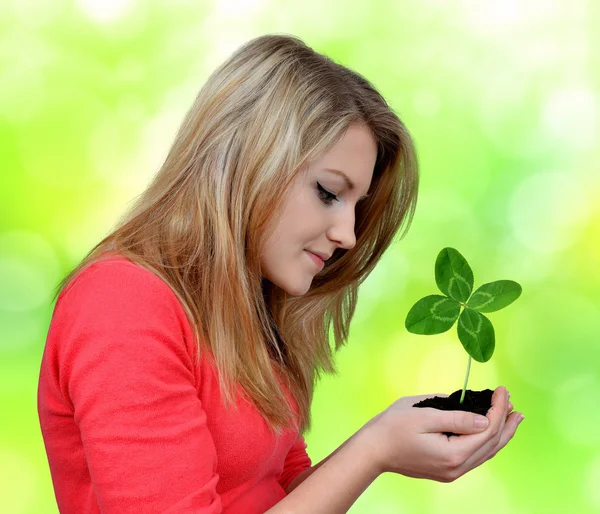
<point x="273" y="106"/>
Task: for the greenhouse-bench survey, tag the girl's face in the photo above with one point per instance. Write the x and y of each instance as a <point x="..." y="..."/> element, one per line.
<point x="318" y="212"/>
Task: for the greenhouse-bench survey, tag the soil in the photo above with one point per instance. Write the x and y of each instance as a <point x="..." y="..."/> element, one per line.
<point x="478" y="402"/>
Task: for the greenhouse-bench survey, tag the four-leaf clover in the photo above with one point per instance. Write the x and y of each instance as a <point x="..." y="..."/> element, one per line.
<point x="435" y="314"/>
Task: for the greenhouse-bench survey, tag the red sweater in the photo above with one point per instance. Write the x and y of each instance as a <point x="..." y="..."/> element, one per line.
<point x="131" y="424"/>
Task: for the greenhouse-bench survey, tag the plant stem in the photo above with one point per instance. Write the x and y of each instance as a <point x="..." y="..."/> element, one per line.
<point x="462" y="396"/>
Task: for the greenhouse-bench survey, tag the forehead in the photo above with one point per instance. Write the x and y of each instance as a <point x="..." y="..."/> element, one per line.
<point x="356" y="144"/>
<point x="350" y="161"/>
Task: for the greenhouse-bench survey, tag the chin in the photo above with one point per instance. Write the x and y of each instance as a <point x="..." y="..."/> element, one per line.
<point x="296" y="289"/>
<point x="293" y="287"/>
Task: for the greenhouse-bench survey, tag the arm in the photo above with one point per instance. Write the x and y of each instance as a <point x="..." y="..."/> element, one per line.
<point x="307" y="472"/>
<point x="334" y="484"/>
<point x="405" y="441"/>
<point x="125" y="369"/>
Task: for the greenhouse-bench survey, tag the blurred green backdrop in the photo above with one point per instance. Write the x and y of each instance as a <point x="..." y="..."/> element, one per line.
<point x="502" y="99"/>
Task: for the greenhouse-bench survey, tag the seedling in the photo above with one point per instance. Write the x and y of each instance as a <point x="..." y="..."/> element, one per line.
<point x="436" y="314"/>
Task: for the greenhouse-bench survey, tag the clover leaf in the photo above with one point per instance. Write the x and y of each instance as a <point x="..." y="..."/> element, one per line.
<point x="453" y="275"/>
<point x="435" y="314"/>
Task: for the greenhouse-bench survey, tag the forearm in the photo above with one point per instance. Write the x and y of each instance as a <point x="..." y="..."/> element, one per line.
<point x="303" y="476"/>
<point x="334" y="484"/>
<point x="307" y="472"/>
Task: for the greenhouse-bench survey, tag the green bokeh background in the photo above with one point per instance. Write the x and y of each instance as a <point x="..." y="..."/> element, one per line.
<point x="503" y="100"/>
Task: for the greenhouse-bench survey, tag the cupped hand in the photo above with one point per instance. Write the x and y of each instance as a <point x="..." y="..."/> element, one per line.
<point x="475" y="449"/>
<point x="411" y="441"/>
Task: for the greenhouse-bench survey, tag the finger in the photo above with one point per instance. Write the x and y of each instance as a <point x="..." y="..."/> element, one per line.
<point x="496" y="415"/>
<point x="510" y="428"/>
<point x="503" y="407"/>
<point x="456" y="421"/>
<point x="499" y="408"/>
<point x="484" y="453"/>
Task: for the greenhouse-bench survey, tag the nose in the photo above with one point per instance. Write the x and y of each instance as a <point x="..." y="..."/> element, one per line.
<point x="341" y="231"/>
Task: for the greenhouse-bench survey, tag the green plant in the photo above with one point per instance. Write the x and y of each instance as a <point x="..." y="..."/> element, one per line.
<point x="435" y="314"/>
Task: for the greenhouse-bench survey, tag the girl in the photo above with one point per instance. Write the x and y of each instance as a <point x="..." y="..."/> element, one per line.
<point x="183" y="350"/>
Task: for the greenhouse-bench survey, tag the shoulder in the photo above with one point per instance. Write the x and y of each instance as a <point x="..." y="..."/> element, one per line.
<point x="114" y="272"/>
<point x="116" y="282"/>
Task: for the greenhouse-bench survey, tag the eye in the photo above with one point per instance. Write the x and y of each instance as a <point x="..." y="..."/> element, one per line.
<point x="327" y="197"/>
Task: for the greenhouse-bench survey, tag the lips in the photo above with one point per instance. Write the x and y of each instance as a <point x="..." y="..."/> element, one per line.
<point x="323" y="256"/>
<point x="316" y="259"/>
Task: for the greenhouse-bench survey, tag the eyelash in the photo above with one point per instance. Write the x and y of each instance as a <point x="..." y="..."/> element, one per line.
<point x="326" y="196"/>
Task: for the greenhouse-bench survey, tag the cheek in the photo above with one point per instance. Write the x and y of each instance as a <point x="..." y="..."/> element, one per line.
<point x="279" y="243"/>
<point x="309" y="216"/>
<point x="300" y="223"/>
<point x="298" y="220"/>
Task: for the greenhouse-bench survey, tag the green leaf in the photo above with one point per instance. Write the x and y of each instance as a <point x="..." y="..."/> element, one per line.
<point x="476" y="334"/>
<point x="433" y="314"/>
<point x="453" y="274"/>
<point x="494" y="296"/>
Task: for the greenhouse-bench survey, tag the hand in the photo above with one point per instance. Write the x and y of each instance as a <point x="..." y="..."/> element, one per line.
<point x="410" y="441"/>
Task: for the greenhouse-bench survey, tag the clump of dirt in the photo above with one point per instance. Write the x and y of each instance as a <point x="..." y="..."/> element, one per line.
<point x="478" y="402"/>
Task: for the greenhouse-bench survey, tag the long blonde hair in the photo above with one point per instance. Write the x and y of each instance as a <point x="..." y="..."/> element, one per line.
<point x="273" y="106"/>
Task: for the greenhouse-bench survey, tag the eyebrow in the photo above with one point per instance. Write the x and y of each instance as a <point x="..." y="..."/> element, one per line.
<point x="349" y="183"/>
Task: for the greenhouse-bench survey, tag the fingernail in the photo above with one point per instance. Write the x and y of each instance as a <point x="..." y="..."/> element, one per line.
<point x="510" y="406"/>
<point x="521" y="418"/>
<point x="481" y="422"/>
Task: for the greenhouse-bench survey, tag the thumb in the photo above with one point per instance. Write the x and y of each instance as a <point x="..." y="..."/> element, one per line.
<point x="458" y="422"/>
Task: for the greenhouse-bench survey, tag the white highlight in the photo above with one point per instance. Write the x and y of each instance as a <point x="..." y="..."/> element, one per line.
<point x="29" y="270"/>
<point x="20" y="482"/>
<point x="575" y="410"/>
<point x="445" y="364"/>
<point x="23" y="81"/>
<point x="426" y="103"/>
<point x="106" y="11"/>
<point x="570" y="117"/>
<point x="386" y="281"/>
<point x="555" y="318"/>
<point x="127" y="150"/>
<point x="231" y="24"/>
<point x="488" y="17"/>
<point x="235" y="8"/>
<point x="479" y="488"/>
<point x="548" y="211"/>
<point x="20" y="331"/>
<point x="591" y="491"/>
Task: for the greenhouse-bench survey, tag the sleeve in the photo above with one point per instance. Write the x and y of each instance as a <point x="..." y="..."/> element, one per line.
<point x="296" y="461"/>
<point x="131" y="382"/>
